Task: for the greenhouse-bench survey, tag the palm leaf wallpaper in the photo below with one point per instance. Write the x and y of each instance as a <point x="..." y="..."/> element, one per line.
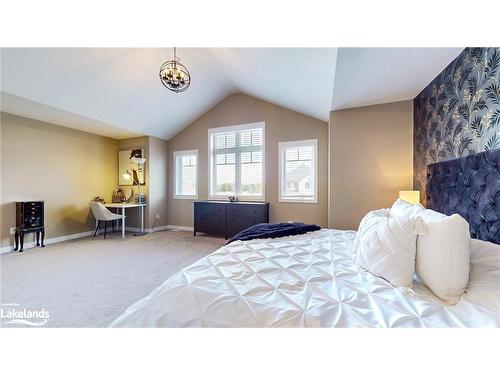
<point x="458" y="113"/>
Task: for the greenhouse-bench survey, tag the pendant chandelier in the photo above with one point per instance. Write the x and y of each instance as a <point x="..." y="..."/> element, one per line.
<point x="174" y="76"/>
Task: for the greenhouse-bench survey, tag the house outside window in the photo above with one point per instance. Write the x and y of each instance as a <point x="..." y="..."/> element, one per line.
<point x="186" y="174"/>
<point x="298" y="180"/>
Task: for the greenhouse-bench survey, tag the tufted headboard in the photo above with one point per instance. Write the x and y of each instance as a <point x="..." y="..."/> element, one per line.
<point x="470" y="187"/>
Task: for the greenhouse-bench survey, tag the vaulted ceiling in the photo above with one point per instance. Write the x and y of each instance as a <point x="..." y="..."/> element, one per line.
<point x="116" y="92"/>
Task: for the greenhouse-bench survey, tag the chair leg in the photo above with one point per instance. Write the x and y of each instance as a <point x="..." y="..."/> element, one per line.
<point x="105" y="228"/>
<point x="97" y="228"/>
<point x="113" y="225"/>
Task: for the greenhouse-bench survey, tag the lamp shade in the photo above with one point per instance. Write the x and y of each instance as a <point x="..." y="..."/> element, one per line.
<point x="139" y="160"/>
<point x="410" y="196"/>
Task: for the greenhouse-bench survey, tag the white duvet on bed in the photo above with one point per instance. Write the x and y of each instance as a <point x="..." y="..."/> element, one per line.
<point x="309" y="281"/>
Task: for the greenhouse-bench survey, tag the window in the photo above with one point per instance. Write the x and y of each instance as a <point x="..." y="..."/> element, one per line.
<point x="185" y="172"/>
<point x="298" y="171"/>
<point x="237" y="162"/>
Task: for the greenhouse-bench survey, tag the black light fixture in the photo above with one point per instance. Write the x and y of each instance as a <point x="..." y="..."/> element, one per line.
<point x="175" y="76"/>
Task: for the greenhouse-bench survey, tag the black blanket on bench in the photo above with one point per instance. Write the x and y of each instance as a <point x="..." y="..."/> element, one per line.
<point x="273" y="231"/>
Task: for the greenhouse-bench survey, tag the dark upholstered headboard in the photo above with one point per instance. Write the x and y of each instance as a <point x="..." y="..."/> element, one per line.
<point x="470" y="187"/>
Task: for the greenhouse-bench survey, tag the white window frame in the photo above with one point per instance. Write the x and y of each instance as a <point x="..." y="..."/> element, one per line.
<point x="282" y="146"/>
<point x="211" y="160"/>
<point x="184" y="153"/>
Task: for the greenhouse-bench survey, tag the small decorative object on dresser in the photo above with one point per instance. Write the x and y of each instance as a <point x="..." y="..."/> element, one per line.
<point x="29" y="219"/>
<point x="228" y="218"/>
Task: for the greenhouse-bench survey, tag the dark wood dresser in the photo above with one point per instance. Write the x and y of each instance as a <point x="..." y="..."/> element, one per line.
<point x="227" y="219"/>
<point x="29" y="219"/>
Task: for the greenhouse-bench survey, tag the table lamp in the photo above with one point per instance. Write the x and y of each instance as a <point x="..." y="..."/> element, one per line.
<point x="410" y="196"/>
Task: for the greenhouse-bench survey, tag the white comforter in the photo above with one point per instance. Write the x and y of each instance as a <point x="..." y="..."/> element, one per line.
<point x="309" y="281"/>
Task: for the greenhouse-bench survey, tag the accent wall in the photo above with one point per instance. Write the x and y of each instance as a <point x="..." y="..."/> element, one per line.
<point x="458" y="113"/>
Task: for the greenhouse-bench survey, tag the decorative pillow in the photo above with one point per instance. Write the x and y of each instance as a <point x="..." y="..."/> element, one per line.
<point x="484" y="275"/>
<point x="401" y="208"/>
<point x="443" y="255"/>
<point x="383" y="212"/>
<point x="386" y="247"/>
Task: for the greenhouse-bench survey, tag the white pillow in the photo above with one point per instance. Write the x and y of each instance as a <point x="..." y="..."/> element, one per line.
<point x="443" y="255"/>
<point x="386" y="247"/>
<point x="383" y="212"/>
<point x="401" y="208"/>
<point x="484" y="275"/>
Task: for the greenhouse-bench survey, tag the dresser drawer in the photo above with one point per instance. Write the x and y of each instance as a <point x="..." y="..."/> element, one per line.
<point x="32" y="211"/>
<point x="209" y="209"/>
<point x="228" y="219"/>
<point x="37" y="206"/>
<point x="235" y="224"/>
<point x="241" y="210"/>
<point x="211" y="227"/>
<point x="33" y="224"/>
<point x="33" y="204"/>
<point x="200" y="219"/>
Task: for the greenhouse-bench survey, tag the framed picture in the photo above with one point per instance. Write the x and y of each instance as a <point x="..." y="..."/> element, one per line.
<point x="130" y="172"/>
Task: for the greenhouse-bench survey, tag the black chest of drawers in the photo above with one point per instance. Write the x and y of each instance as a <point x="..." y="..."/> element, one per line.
<point x="228" y="218"/>
<point x="30" y="218"/>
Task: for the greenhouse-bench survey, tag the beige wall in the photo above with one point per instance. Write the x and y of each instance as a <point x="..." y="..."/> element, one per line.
<point x="281" y="125"/>
<point x="371" y="159"/>
<point x="67" y="168"/>
<point x="158" y="182"/>
<point x="64" y="167"/>
<point x="155" y="152"/>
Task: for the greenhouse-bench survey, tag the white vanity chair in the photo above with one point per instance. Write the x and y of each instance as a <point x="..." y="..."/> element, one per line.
<point x="101" y="213"/>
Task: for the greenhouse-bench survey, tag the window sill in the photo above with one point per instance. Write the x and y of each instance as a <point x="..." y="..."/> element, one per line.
<point x="186" y="197"/>
<point x="292" y="200"/>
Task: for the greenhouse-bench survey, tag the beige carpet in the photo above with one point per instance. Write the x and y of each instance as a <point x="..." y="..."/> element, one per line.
<point x="91" y="281"/>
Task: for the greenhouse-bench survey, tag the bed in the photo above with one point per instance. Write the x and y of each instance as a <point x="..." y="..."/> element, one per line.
<point x="311" y="280"/>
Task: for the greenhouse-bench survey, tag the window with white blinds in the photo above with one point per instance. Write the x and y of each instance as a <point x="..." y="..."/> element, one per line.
<point x="185" y="172"/>
<point x="298" y="171"/>
<point x="237" y="162"/>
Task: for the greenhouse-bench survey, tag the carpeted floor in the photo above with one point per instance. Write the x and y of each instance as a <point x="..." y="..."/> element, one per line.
<point x="91" y="281"/>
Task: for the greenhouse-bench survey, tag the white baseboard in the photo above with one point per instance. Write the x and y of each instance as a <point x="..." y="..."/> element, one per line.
<point x="132" y="229"/>
<point x="157" y="229"/>
<point x="48" y="241"/>
<point x="147" y="230"/>
<point x="176" y="227"/>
